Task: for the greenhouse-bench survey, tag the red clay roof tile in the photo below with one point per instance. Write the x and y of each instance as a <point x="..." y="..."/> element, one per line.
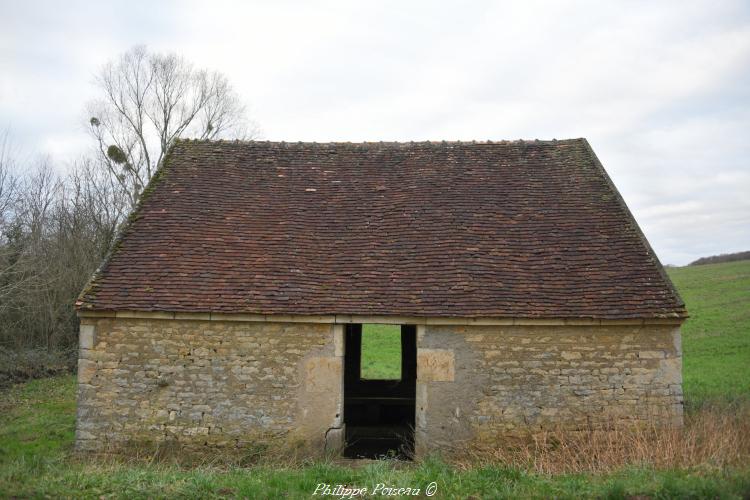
<point x="499" y="229"/>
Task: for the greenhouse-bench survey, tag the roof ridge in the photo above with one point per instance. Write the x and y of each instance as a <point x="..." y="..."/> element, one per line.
<point x="394" y="143"/>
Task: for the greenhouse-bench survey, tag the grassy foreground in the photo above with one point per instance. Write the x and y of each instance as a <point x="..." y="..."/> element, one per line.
<point x="37" y="421"/>
<point x="36" y="435"/>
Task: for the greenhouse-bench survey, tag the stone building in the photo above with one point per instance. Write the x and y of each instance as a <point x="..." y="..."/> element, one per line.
<point x="230" y="310"/>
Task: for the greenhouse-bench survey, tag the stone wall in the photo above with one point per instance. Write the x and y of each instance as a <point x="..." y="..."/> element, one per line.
<point x="207" y="383"/>
<point x="204" y="383"/>
<point x="487" y="383"/>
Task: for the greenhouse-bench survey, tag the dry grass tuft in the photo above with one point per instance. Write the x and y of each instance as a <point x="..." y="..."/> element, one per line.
<point x="713" y="437"/>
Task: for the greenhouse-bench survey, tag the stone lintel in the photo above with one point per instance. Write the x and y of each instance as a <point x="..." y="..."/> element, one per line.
<point x="192" y="316"/>
<point x="140" y="315"/>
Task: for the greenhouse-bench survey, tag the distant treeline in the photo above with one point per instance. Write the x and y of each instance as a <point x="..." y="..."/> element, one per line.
<point x="725" y="257"/>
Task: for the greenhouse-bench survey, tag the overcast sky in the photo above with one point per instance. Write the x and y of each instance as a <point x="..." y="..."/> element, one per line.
<point x="660" y="89"/>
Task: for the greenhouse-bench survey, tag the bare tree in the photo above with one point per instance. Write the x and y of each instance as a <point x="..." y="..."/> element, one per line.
<point x="8" y="194"/>
<point x="8" y="180"/>
<point x="147" y="101"/>
<point x="59" y="231"/>
<point x="55" y="229"/>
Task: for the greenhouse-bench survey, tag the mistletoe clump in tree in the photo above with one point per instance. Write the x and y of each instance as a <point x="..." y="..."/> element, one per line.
<point x="147" y="101"/>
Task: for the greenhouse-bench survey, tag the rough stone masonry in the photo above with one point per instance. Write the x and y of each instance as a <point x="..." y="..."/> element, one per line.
<point x="510" y="381"/>
<point x="234" y="383"/>
<point x="205" y="383"/>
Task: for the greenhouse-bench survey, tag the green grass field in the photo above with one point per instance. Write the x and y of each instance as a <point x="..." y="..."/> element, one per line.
<point x="716" y="338"/>
<point x="37" y="421"/>
<point x="381" y="352"/>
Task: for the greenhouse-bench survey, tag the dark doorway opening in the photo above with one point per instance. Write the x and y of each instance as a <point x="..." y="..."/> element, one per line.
<point x="379" y="414"/>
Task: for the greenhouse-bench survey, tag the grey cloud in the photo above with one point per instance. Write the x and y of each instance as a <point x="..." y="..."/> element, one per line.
<point x="661" y="90"/>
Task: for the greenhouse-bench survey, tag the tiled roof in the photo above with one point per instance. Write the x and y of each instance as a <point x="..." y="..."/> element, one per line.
<point x="446" y="229"/>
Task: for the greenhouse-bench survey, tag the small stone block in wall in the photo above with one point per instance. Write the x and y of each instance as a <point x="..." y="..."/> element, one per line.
<point x="435" y="365"/>
<point x="86" y="371"/>
<point x="338" y="340"/>
<point x="651" y="355"/>
<point x="323" y="374"/>
<point x="86" y="339"/>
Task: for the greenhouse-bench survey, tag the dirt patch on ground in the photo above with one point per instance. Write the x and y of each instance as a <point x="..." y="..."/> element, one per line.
<point x="17" y="366"/>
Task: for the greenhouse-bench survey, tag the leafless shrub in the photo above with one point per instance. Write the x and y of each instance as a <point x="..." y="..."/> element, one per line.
<point x="20" y="365"/>
<point x="60" y="228"/>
